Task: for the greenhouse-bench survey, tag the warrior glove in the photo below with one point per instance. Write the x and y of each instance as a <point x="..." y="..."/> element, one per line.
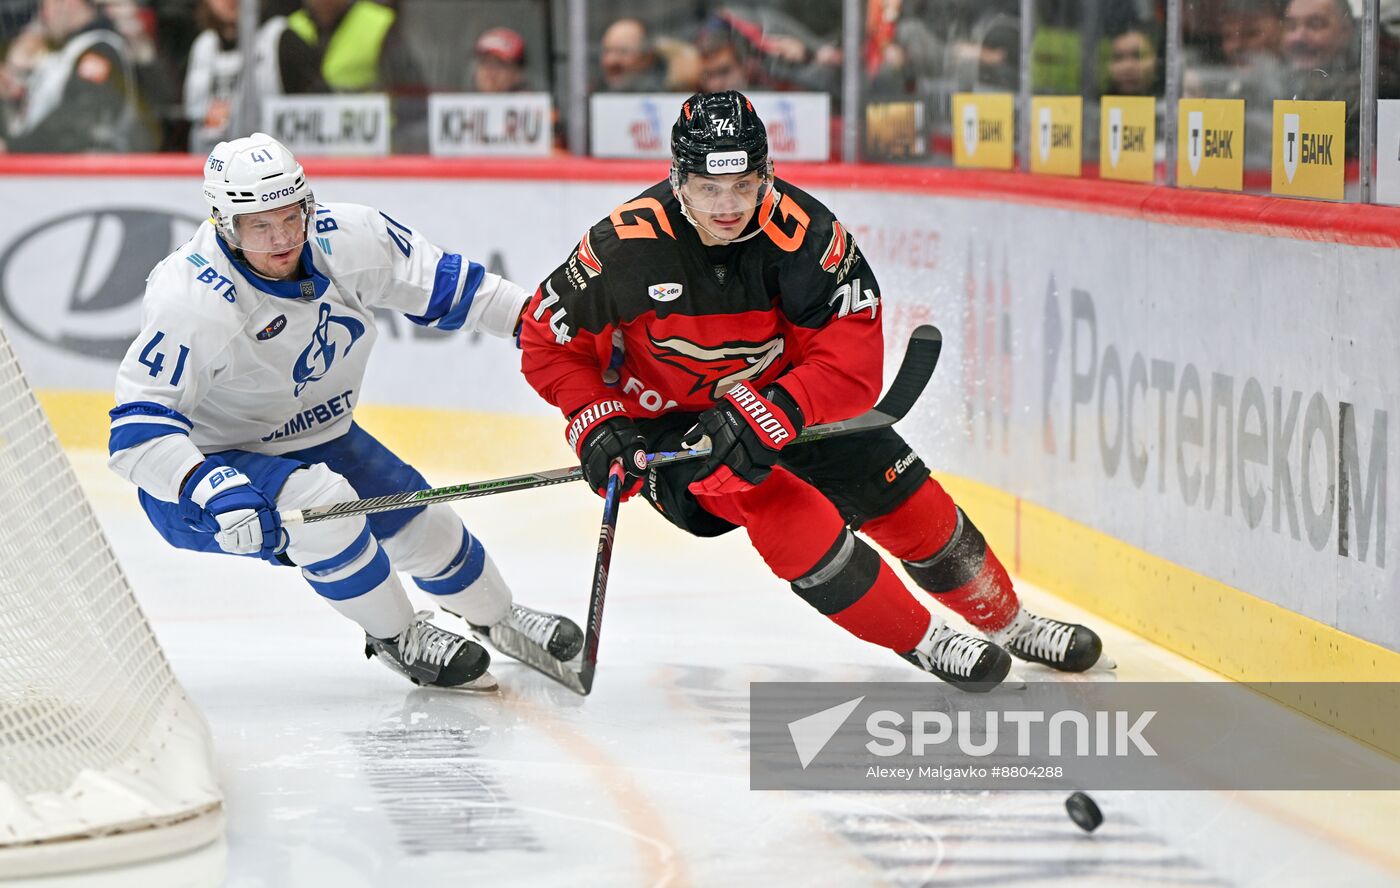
<point x="747" y="432"/>
<point x="601" y="433"/>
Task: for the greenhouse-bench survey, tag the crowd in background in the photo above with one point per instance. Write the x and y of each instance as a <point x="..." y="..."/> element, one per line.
<point x="135" y="75"/>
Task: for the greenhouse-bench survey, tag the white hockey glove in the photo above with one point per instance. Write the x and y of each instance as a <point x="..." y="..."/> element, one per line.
<point x="242" y="519"/>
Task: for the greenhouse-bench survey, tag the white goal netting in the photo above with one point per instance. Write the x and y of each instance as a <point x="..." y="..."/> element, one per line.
<point x="103" y="759"/>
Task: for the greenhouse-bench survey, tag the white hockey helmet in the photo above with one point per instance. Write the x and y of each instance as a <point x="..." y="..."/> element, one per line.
<point x="252" y="175"/>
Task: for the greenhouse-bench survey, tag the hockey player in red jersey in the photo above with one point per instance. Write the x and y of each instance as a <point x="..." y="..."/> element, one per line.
<point x="725" y="303"/>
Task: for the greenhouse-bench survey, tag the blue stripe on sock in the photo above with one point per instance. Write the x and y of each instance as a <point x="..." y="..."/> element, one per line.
<point x="358" y="583"/>
<point x="466" y="568"/>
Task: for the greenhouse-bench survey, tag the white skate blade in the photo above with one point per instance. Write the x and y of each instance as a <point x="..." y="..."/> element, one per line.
<point x="1013" y="682"/>
<point x="1105" y="662"/>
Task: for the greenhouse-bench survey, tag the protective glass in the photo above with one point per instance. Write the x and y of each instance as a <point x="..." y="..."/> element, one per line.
<point x="723" y="195"/>
<point x="272" y="231"/>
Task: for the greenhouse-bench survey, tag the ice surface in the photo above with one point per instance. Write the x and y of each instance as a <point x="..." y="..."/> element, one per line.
<point x="337" y="772"/>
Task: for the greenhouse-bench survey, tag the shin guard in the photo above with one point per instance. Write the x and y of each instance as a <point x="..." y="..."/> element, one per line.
<point x="966" y="577"/>
<point x="857" y="591"/>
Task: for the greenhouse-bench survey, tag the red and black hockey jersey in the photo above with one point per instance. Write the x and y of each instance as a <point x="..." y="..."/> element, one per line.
<point x="645" y="312"/>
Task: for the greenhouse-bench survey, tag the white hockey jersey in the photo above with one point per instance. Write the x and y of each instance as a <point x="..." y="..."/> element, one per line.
<point x="229" y="360"/>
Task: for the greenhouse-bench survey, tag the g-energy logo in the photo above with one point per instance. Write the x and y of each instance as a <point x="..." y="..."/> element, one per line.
<point x="900" y="465"/>
<point x="726" y="162"/>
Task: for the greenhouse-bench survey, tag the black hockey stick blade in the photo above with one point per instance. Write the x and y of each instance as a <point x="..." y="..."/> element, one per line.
<point x="920" y="359"/>
<point x="516" y="645"/>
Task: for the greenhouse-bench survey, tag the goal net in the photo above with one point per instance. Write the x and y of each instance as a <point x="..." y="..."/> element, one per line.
<point x="103" y="759"/>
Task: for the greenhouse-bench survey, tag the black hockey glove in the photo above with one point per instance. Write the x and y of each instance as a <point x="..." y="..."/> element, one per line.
<point x="601" y="433"/>
<point x="747" y="433"/>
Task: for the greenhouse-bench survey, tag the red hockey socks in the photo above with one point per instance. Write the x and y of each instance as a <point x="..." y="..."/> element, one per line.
<point x="845" y="580"/>
<point x="945" y="553"/>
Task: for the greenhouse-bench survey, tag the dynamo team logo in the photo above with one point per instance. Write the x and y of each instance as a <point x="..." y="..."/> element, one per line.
<point x="316" y="359"/>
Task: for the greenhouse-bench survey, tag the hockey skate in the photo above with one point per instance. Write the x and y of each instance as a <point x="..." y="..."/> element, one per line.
<point x="427" y="655"/>
<point x="1067" y="647"/>
<point x="963" y="661"/>
<point x="557" y="635"/>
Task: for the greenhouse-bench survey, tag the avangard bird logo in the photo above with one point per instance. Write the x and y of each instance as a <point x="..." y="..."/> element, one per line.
<point x="718" y="367"/>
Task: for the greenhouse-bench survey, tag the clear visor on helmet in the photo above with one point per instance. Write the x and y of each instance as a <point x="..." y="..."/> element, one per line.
<point x="270" y="231"/>
<point x="727" y="195"/>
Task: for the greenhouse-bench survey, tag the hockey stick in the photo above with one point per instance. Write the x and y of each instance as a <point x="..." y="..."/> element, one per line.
<point x="914" y="373"/>
<point x="920" y="357"/>
<point x="514" y="644"/>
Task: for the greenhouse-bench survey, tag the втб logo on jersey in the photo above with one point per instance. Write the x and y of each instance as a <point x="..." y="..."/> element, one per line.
<point x="721" y="366"/>
<point x="316" y="359"/>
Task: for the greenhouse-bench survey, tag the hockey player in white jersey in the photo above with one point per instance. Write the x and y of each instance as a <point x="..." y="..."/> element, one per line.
<point x="237" y="399"/>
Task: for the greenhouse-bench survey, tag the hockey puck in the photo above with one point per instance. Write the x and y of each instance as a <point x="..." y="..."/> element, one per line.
<point x="1084" y="812"/>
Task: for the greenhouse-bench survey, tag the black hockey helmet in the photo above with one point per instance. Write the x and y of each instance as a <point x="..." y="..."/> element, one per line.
<point x="718" y="134"/>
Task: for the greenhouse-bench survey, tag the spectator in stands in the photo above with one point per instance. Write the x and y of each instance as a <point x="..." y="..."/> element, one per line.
<point x="628" y="59"/>
<point x="23" y="53"/>
<point x="998" y="51"/>
<point x="498" y="65"/>
<point x="129" y="19"/>
<point x="361" y="46"/>
<point x="81" y="96"/>
<point x="1134" y="62"/>
<point x="1318" y="37"/>
<point x="1250" y="35"/>
<point x="1323" y="57"/>
<point x="1250" y="30"/>
<point x="725" y="61"/>
<point x="765" y="57"/>
<point x="15" y="15"/>
<point x="297" y="70"/>
<point x="213" y="77"/>
<point x="362" y="49"/>
<point x="159" y="90"/>
<point x="173" y="26"/>
<point x="213" y="74"/>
